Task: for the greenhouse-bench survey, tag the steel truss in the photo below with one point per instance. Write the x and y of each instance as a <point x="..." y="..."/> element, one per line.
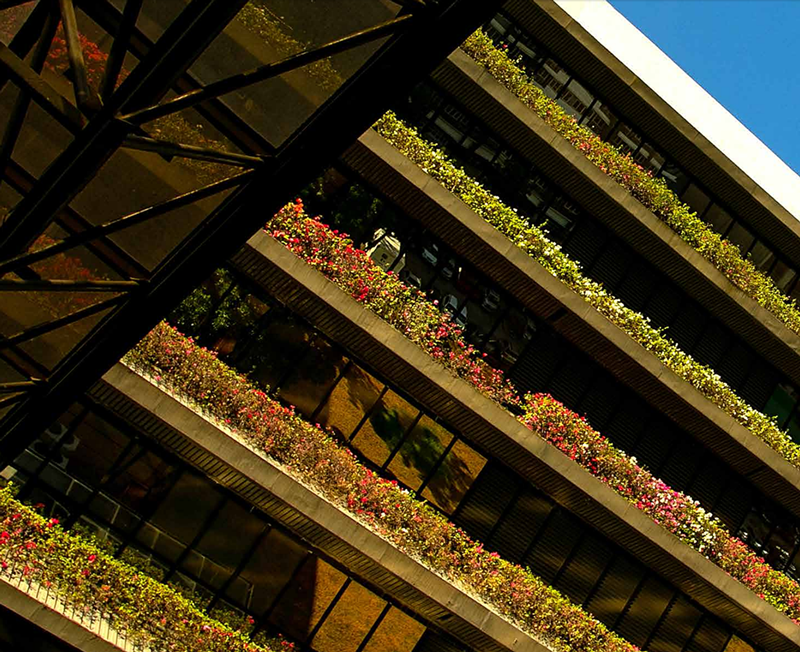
<point x="103" y="315"/>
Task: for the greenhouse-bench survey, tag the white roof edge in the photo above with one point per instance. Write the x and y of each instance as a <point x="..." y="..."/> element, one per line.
<point x="645" y="60"/>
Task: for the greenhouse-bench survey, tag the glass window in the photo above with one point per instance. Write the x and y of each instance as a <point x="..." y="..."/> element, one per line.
<point x="754" y="530"/>
<point x="277" y="349"/>
<point x="718" y="218"/>
<point x="267" y="571"/>
<point x="761" y="255"/>
<point x="452" y="122"/>
<point x="600" y="119"/>
<point x="561" y="215"/>
<point x="174" y="517"/>
<point x="309" y="595"/>
<point x="218" y="545"/>
<point x="649" y="158"/>
<point x="396" y="633"/>
<point x="783" y="275"/>
<point x="625" y="138"/>
<point x="419" y="453"/>
<point x="575" y="99"/>
<point x="113" y="513"/>
<point x="741" y="237"/>
<point x="385" y="428"/>
<point x="454" y="476"/>
<point x="160" y="542"/>
<point x="91" y="449"/>
<point x="675" y="177"/>
<point x="313" y="376"/>
<point x="537" y="189"/>
<point x="793" y="427"/>
<point x="696" y="198"/>
<point x="353" y="396"/>
<point x="350" y="620"/>
<point x="782" y="402"/>
<point x="550" y="77"/>
<point x="141" y="480"/>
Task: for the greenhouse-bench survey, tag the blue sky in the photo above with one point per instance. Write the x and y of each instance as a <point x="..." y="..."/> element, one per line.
<point x="745" y="53"/>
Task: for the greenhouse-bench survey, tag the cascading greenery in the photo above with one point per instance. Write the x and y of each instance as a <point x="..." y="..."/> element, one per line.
<point x="534" y="241"/>
<point x="152" y="615"/>
<point x="651" y="192"/>
<point x="185" y="369"/>
<point x="413" y="314"/>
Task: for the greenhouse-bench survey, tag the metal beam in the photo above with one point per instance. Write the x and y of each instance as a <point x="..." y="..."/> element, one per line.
<point x="361" y="99"/>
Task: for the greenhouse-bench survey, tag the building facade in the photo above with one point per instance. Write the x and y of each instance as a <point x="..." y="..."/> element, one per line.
<point x="138" y="469"/>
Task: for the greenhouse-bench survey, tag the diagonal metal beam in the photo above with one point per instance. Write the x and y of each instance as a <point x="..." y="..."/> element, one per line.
<point x="47" y="327"/>
<point x="363" y="97"/>
<point x="180" y="44"/>
<point x="134" y="219"/>
<point x="66" y="285"/>
<point x="42" y="93"/>
<point x="171" y="149"/>
<point x="119" y="48"/>
<point x="84" y="95"/>
<point x="268" y="71"/>
<point x="22" y="103"/>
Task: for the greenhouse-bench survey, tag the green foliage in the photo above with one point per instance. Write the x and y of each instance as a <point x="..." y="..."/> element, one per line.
<point x="150" y="614"/>
<point x="652" y="193"/>
<point x="315" y="458"/>
<point x="533" y="240"/>
<point x="679" y="514"/>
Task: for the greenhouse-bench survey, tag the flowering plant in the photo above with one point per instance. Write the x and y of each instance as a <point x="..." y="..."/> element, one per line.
<point x="413" y="526"/>
<point x="673" y="510"/>
<point x="151" y="615"/>
<point x="333" y="255"/>
<point x="651" y="192"/>
<point x="534" y="241"/>
<point x="402" y="306"/>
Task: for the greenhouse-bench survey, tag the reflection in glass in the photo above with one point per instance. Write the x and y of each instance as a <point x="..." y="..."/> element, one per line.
<point x="385" y="428"/>
<point x="419" y="453"/>
<point x="454" y="476"/>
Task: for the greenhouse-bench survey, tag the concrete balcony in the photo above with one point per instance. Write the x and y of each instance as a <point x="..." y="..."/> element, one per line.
<point x="234" y="464"/>
<point x="606" y="200"/>
<point x="493" y="254"/>
<point x="383" y="348"/>
<point x="670" y="131"/>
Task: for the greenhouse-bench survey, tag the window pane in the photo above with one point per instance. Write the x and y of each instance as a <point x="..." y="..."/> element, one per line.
<point x="674" y="176"/>
<point x="575" y="99"/>
<point x="350" y="621"/>
<point x="782" y="274"/>
<point x="600" y="119"/>
<point x="173" y="516"/>
<point x="741" y="237"/>
<point x="142" y="482"/>
<point x="625" y="138"/>
<point x="303" y="604"/>
<point x="420" y="452"/>
<point x="782" y="402"/>
<point x="550" y="77"/>
<point x="761" y="255"/>
<point x="649" y="158"/>
<point x="278" y="348"/>
<point x="384" y="429"/>
<point x="353" y="396"/>
<point x="217" y="543"/>
<point x="718" y="218"/>
<point x="396" y="633"/>
<point x="696" y="198"/>
<point x="267" y="571"/>
<point x="313" y="376"/>
<point x="91" y="450"/>
<point x="455" y="475"/>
